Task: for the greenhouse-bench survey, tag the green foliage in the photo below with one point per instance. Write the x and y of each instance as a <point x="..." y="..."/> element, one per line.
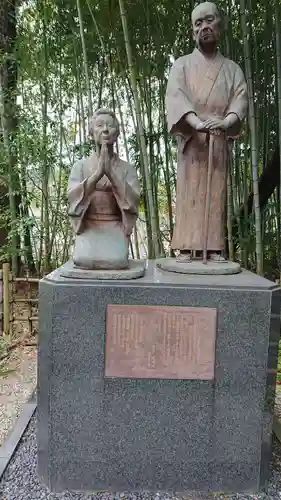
<point x="48" y="128"/>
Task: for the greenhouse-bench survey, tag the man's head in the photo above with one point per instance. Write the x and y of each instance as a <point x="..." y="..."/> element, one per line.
<point x="104" y="126"/>
<point x="206" y="25"/>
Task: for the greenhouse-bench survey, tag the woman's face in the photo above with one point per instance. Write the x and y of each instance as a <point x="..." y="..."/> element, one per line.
<point x="105" y="129"/>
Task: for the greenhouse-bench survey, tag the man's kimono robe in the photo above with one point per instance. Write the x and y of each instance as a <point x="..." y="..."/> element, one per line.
<point x="209" y="88"/>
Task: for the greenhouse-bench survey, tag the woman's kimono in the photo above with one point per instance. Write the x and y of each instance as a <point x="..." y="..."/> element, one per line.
<point x="104" y="219"/>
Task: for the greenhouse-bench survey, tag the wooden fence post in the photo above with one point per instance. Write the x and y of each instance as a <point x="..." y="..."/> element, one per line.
<point x="6" y="299"/>
<point x="1" y="302"/>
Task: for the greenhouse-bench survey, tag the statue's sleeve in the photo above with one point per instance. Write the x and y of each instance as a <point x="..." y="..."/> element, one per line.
<point x="178" y="103"/>
<point x="239" y="101"/>
<point x="126" y="189"/>
<point x="77" y="199"/>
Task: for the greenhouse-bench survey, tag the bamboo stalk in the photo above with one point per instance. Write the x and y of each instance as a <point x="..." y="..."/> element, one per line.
<point x="152" y="210"/>
<point x="253" y="134"/>
<point x="278" y="64"/>
<point x="149" y="249"/>
<point x="230" y="209"/>
<point x="59" y="189"/>
<point x="245" y="203"/>
<point x="85" y="59"/>
<point x="45" y="95"/>
<point x="11" y="188"/>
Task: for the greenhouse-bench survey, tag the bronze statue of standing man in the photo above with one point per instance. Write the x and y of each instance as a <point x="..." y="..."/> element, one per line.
<point x="206" y="96"/>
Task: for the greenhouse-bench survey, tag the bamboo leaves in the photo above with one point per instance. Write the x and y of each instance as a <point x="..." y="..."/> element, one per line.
<point x="144" y="162"/>
<point x="73" y="55"/>
<point x="253" y="133"/>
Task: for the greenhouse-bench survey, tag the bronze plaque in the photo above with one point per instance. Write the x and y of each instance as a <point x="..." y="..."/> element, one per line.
<point x="160" y="342"/>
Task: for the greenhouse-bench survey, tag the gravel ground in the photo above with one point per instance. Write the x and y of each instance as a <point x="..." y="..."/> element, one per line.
<point x="20" y="481"/>
<point x="16" y="389"/>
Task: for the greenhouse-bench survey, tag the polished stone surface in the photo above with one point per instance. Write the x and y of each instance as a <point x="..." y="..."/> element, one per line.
<point x="96" y="433"/>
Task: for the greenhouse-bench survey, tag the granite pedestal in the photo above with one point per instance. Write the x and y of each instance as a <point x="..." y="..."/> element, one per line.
<point x="129" y="434"/>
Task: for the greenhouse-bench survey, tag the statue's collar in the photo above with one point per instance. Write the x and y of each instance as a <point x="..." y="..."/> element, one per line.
<point x="217" y="56"/>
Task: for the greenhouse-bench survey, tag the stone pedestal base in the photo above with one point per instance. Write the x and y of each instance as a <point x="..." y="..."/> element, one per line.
<point x="112" y="417"/>
<point x="197" y="267"/>
<point x="135" y="270"/>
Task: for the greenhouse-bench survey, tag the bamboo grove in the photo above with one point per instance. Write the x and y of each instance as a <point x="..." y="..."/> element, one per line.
<point x="62" y="59"/>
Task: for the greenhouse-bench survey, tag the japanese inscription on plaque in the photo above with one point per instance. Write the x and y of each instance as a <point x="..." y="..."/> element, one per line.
<point x="160" y="342"/>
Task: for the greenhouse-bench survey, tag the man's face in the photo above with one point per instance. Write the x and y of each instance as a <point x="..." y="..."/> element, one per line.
<point x="206" y="25"/>
<point x="105" y="129"/>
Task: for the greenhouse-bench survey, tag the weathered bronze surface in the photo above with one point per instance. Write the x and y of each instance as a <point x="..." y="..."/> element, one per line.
<point x="206" y="101"/>
<point x="160" y="342"/>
